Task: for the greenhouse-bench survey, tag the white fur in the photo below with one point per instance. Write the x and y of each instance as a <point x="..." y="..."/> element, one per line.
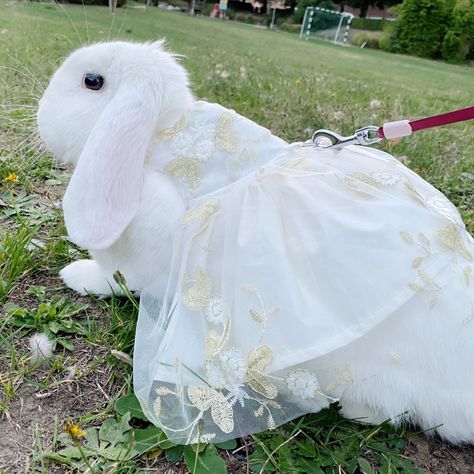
<point x="41" y="348"/>
<point x="125" y="213"/>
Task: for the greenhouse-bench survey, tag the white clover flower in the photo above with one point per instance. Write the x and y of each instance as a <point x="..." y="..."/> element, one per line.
<point x="302" y="383"/>
<point x="214" y="310"/>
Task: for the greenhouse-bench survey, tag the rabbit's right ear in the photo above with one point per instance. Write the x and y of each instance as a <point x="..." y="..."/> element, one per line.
<point x="103" y="194"/>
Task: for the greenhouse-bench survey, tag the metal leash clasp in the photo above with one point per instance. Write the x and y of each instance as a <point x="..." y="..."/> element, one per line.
<point x="328" y="139"/>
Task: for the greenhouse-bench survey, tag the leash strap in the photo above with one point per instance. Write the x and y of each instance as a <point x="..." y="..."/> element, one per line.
<point x="390" y="130"/>
<point x="403" y="128"/>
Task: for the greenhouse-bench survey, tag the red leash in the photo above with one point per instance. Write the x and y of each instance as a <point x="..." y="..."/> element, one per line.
<point x="403" y="128"/>
<point x="390" y="130"/>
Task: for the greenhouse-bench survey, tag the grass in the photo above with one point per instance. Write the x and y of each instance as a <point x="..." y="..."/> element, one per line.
<point x="287" y="85"/>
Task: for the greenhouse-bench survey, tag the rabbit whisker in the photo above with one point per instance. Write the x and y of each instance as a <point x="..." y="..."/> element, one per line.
<point x="70" y="21"/>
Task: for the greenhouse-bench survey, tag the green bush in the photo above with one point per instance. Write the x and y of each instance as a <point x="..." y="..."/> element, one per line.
<point x="244" y="18"/>
<point x="370" y="41"/>
<point x="458" y="44"/>
<point x="367" y="24"/>
<point x="207" y="9"/>
<point x="384" y="40"/>
<point x="290" y="27"/>
<point x="421" y="27"/>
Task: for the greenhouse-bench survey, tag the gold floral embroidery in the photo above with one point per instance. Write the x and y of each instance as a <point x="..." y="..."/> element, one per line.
<point x="202" y="213"/>
<point x="411" y="190"/>
<point x="257" y="361"/>
<point x="231" y="377"/>
<point x="344" y="376"/>
<point x="360" y="182"/>
<point x="169" y="133"/>
<point x="197" y="297"/>
<point x="203" y="398"/>
<point x="368" y="182"/>
<point x="424" y="243"/>
<point x="450" y="238"/>
<point x="187" y="169"/>
<point x="225" y="136"/>
<point x="157" y="407"/>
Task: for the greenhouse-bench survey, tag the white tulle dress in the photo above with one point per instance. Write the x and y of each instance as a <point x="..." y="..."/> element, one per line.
<point x="286" y="258"/>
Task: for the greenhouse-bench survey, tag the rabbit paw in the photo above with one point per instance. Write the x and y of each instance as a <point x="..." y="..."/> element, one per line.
<point x="86" y="276"/>
<point x="362" y="413"/>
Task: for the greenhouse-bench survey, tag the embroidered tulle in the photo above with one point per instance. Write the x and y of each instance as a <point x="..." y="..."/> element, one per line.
<point x="277" y="277"/>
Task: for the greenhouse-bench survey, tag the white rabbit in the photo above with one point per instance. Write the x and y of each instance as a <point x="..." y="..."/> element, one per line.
<point x="280" y="276"/>
<point x="116" y="206"/>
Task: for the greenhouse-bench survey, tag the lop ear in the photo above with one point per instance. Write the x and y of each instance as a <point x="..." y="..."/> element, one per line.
<point x="104" y="192"/>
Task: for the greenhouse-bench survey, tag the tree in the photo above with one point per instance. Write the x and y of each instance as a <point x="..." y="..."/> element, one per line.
<point x="364" y="5"/>
<point x="458" y="44"/>
<point x="421" y="27"/>
<point x="298" y="15"/>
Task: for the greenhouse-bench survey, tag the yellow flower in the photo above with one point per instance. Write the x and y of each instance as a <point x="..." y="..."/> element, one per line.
<point x="11" y="178"/>
<point x="74" y="431"/>
<point x="297" y="82"/>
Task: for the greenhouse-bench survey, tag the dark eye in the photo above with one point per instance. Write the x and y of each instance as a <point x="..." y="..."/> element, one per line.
<point x="94" y="82"/>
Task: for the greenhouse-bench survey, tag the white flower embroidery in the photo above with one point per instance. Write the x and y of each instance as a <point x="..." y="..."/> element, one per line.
<point x="214" y="310"/>
<point x="203" y="439"/>
<point x="386" y="179"/>
<point x="233" y="364"/>
<point x="302" y="383"/>
<point x="197" y="143"/>
<point x="444" y="207"/>
<point x="226" y="370"/>
<point x="237" y="394"/>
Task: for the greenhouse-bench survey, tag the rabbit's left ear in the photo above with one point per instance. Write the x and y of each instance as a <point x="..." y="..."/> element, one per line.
<point x="104" y="192"/>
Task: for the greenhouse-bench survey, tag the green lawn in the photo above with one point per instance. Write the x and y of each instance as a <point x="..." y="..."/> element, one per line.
<point x="288" y="85"/>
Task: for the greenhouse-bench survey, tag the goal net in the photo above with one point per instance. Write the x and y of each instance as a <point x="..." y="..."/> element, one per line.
<point x="326" y="24"/>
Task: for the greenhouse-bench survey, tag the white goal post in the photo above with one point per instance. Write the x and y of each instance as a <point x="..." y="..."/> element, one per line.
<point x="326" y="24"/>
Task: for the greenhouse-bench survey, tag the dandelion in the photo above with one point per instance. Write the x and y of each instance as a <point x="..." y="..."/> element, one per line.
<point x="41" y="348"/>
<point x="297" y="82"/>
<point x="11" y="178"/>
<point x="74" y="431"/>
<point x="77" y="433"/>
<point x="375" y="104"/>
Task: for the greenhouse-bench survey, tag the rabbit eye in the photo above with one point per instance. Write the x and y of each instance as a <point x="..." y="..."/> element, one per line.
<point x="94" y="82"/>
